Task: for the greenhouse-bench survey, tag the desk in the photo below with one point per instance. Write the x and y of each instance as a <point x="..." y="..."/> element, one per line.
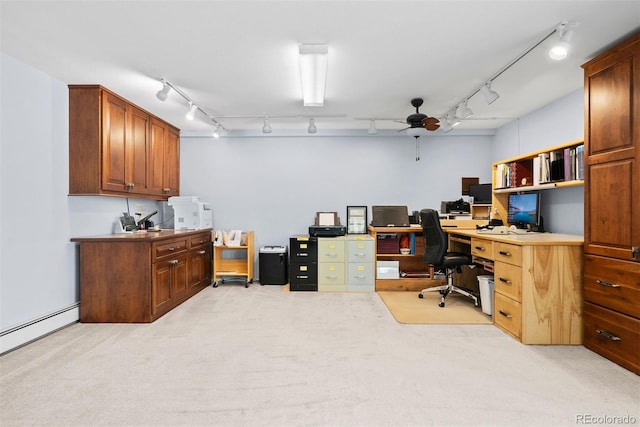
<point x="538" y="282"/>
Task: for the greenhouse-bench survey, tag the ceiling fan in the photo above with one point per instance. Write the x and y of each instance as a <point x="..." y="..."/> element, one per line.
<point x="419" y="120"/>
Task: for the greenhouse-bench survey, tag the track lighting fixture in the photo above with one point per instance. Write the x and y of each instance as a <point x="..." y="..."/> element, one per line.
<point x="312" y="126"/>
<point x="216" y="133"/>
<point x="372" y="128"/>
<point x="464" y="111"/>
<point x="560" y="49"/>
<point x="266" y="127"/>
<point x="192" y="111"/>
<point x="489" y="95"/>
<point x="162" y="93"/>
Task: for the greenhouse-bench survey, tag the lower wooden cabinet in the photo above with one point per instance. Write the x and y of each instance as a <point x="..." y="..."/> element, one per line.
<point x="136" y="278"/>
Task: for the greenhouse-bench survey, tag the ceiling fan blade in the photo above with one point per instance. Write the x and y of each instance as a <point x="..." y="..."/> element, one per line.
<point x="430" y="123"/>
<point x="400" y="130"/>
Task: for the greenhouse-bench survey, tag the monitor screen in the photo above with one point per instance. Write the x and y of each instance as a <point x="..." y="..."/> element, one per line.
<point x="523" y="209"/>
<point x="481" y="193"/>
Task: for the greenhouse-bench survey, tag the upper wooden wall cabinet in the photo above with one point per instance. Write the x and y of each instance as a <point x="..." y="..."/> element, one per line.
<point x="118" y="149"/>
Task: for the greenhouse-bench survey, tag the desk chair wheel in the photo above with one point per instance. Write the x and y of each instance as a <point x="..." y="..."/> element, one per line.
<point x="420" y="296"/>
<point x="441" y="304"/>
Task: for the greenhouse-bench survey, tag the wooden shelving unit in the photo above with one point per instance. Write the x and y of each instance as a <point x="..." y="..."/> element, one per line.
<point x="525" y="164"/>
<point x="234" y="262"/>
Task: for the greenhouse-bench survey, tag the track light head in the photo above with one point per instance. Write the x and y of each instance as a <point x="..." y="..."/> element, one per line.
<point x="489" y="95"/>
<point x="560" y="49"/>
<point x="216" y="133"/>
<point x="372" y="128"/>
<point x="312" y="126"/>
<point x="464" y="111"/>
<point x="162" y="93"/>
<point x="266" y="127"/>
<point x="192" y="111"/>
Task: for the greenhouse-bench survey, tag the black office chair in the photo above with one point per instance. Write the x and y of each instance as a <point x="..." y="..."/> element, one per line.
<point x="436" y="253"/>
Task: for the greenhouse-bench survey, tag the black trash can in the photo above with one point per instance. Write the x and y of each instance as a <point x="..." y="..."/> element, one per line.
<point x="273" y="262"/>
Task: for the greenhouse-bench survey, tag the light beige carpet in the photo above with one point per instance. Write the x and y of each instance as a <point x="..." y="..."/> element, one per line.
<point x="406" y="307"/>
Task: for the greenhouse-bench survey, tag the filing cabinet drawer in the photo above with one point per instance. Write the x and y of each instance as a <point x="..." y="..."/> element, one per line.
<point x="358" y="273"/>
<point x="612" y="335"/>
<point x="612" y="283"/>
<point x="482" y="248"/>
<point x="303" y="249"/>
<point x="330" y="273"/>
<point x="360" y="250"/>
<point x="331" y="249"/>
<point x="508" y="315"/>
<point x="505" y="252"/>
<point x="507" y="280"/>
<point x="167" y="248"/>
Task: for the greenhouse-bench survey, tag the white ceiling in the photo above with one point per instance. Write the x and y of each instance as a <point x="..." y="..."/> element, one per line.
<point x="240" y="57"/>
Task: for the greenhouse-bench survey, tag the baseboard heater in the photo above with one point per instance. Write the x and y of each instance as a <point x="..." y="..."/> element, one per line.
<point x="38" y="328"/>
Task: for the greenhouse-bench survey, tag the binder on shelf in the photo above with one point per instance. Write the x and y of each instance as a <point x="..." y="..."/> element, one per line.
<point x="580" y="161"/>
<point x="556" y="159"/>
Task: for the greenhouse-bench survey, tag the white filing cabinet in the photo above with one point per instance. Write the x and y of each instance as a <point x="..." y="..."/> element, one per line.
<point x="331" y="264"/>
<point x="361" y="275"/>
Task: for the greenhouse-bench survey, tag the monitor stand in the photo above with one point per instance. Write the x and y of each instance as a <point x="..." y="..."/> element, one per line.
<point x="537" y="228"/>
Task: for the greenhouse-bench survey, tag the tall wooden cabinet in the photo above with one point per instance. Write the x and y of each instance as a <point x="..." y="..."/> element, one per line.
<point x="612" y="204"/>
<point x="118" y="149"/>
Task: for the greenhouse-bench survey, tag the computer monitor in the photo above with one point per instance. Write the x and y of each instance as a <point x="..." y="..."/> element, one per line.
<point x="523" y="210"/>
<point x="481" y="193"/>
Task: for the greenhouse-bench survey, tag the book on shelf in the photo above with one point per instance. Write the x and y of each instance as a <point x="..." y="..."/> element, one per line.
<point x="556" y="159"/>
<point x="580" y="161"/>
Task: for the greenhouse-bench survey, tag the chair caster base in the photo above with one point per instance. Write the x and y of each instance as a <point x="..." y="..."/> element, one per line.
<point x="420" y="296"/>
<point x="441" y="304"/>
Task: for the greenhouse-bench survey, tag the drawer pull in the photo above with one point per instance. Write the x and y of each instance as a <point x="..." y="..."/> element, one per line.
<point x="202" y="252"/>
<point x="607" y="284"/>
<point x="507" y="315"/>
<point x="607" y="335"/>
<point x="359" y="277"/>
<point x="503" y="280"/>
<point x="359" y="254"/>
<point x="172" y="249"/>
<point x="302" y="254"/>
<point x="302" y="277"/>
<point x="480" y="248"/>
<point x="173" y="262"/>
<point x="330" y="255"/>
<point x="331" y="277"/>
<point x="505" y="253"/>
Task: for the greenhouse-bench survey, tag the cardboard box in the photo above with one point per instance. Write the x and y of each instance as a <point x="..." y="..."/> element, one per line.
<point x="388" y="270"/>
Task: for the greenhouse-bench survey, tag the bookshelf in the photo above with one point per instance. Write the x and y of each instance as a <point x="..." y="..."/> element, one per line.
<point x="552" y="167"/>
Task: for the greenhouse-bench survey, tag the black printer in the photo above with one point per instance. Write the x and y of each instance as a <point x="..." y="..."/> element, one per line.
<point x="458" y="206"/>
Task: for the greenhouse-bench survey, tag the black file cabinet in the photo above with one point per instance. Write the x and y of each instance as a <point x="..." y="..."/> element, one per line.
<point x="303" y="263"/>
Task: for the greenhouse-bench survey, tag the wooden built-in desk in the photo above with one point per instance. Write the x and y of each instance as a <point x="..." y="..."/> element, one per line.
<point x="537" y="279"/>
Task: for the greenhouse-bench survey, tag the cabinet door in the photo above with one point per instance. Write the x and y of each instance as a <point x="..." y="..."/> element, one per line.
<point x="199" y="268"/>
<point x="179" y="279"/>
<point x="138" y="151"/>
<point x="156" y="156"/>
<point x="171" y="181"/>
<point x="114" y="137"/>
<point x="161" y="288"/>
<point x="612" y="162"/>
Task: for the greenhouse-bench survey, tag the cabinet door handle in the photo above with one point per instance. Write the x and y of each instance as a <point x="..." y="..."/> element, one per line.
<point x="507" y="281"/>
<point x="505" y="253"/>
<point x="130" y="185"/>
<point x="607" y="284"/>
<point x="166" y="190"/>
<point x="607" y="335"/>
<point x="634" y="251"/>
<point x="173" y="262"/>
<point x="202" y="252"/>
<point x="507" y="315"/>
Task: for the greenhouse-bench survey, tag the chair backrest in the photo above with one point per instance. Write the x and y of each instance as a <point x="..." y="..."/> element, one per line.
<point x="435" y="239"/>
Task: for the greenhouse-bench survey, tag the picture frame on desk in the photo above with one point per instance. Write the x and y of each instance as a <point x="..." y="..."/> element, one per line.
<point x="356" y="220"/>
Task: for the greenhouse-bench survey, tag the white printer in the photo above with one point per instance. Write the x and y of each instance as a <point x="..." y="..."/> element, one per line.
<point x="190" y="213"/>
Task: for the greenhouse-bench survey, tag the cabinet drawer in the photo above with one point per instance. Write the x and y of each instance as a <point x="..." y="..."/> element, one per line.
<point x="330" y="273"/>
<point x="612" y="283"/>
<point x="304" y="273"/>
<point x="507" y="280"/>
<point x="505" y="252"/>
<point x="303" y="249"/>
<point x="358" y="273"/>
<point x="331" y="249"/>
<point x="171" y="247"/>
<point x="508" y="315"/>
<point x="612" y="335"/>
<point x="360" y="251"/>
<point x="482" y="248"/>
<point x="200" y="239"/>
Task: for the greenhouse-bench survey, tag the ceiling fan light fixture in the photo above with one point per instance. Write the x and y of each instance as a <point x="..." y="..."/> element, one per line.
<point x="192" y="111"/>
<point x="489" y="95"/>
<point x="416" y="131"/>
<point x="162" y="93"/>
<point x="313" y="73"/>
<point x="312" y="126"/>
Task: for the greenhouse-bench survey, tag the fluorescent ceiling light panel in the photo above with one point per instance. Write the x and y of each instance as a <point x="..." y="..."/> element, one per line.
<point x="313" y="72"/>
